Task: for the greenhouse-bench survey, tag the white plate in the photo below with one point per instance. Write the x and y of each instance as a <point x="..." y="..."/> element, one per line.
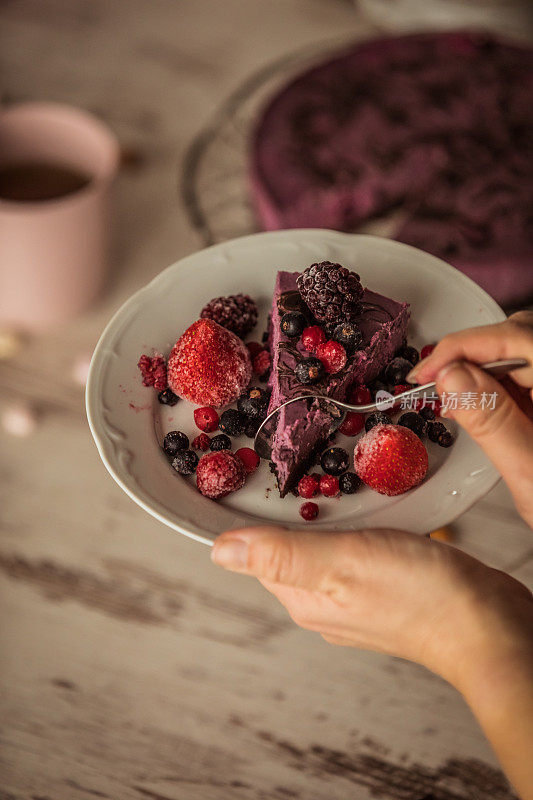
<point x="127" y="422"/>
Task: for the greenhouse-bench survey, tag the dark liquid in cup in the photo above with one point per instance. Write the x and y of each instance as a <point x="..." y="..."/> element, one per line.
<point x="32" y="182"/>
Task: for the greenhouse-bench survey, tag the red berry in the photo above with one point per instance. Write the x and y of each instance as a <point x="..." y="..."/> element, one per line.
<point x="219" y="473"/>
<point x="333" y="356"/>
<point x="249" y="458"/>
<point x="329" y="485"/>
<point x="153" y="371"/>
<point x="206" y="419"/>
<point x="308" y="486"/>
<point x="254" y="348"/>
<point x="201" y="442"/>
<point x="390" y="459"/>
<point x="261" y="362"/>
<point x="427" y="350"/>
<point x="353" y="424"/>
<point x="312" y="337"/>
<point x="401" y="387"/>
<point x="309" y="511"/>
<point x="360" y="395"/>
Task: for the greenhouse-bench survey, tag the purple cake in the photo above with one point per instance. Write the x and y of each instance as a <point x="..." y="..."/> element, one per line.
<point x="301" y="432"/>
<point x="440" y="124"/>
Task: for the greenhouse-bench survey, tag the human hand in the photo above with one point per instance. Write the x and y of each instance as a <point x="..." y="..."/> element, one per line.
<point x="505" y="432"/>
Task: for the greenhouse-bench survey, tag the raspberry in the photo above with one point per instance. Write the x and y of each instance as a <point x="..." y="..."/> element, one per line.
<point x="360" y="395"/>
<point x="209" y="365"/>
<point x="331" y="291"/>
<point x="262" y="363"/>
<point x="254" y="348"/>
<point x="401" y="387"/>
<point x="353" y="424"/>
<point x="312" y="337"/>
<point x="201" y="442"/>
<point x="218" y="474"/>
<point x="390" y="459"/>
<point x="332" y="355"/>
<point x="249" y="458"/>
<point x="308" y="486"/>
<point x="309" y="511"/>
<point x="206" y="419"/>
<point x="153" y="371"/>
<point x="427" y="350"/>
<point x="329" y="485"/>
<point x="237" y="313"/>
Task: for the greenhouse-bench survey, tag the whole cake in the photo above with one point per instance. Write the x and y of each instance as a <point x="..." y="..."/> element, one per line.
<point x="440" y="124"/>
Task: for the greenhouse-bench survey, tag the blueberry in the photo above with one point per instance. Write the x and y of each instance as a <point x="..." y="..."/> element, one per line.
<point x="413" y="421"/>
<point x="445" y="439"/>
<point x="378" y="386"/>
<point x="427" y="413"/>
<point x="175" y="441"/>
<point x="434" y="430"/>
<point x="397" y="370"/>
<point x="309" y="370"/>
<point x="232" y="422"/>
<point x="220" y="442"/>
<point x="376" y="418"/>
<point x="410" y="354"/>
<point x="334" y="461"/>
<point x="348" y="335"/>
<point x="167" y="397"/>
<point x="251" y="427"/>
<point x="293" y="323"/>
<point x="349" y="483"/>
<point x="254" y="403"/>
<point x="185" y="462"/>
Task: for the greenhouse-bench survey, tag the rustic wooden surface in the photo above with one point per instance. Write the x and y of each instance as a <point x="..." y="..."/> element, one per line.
<point x="130" y="666"/>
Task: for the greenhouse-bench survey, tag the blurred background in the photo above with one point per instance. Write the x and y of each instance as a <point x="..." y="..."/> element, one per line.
<point x="130" y="667"/>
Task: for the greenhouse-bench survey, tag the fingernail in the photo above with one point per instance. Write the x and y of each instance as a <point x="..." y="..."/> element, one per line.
<point x="232" y="554"/>
<point x="416" y="369"/>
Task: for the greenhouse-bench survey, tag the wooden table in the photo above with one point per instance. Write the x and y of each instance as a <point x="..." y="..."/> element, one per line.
<point x="131" y="667"/>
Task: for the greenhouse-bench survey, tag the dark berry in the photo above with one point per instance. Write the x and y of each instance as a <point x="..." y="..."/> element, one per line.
<point x="167" y="397"/>
<point x="249" y="458"/>
<point x="349" y="483"/>
<point x="329" y="485"/>
<point x="185" y="462"/>
<point x="378" y="386"/>
<point x="352" y="425"/>
<point x="264" y="337"/>
<point x="413" y="421"/>
<point x="220" y="442"/>
<point x="308" y="486"/>
<point x="254" y="402"/>
<point x="309" y="370"/>
<point x="348" y="335"/>
<point x="445" y="439"/>
<point x="237" y="313"/>
<point x="261" y="363"/>
<point x="409" y="353"/>
<point x="254" y="348"/>
<point x="427" y="413"/>
<point x="293" y="323"/>
<point x="331" y="291"/>
<point x="334" y="461"/>
<point x="232" y="422"/>
<point x="309" y="511"/>
<point x="332" y="355"/>
<point x="312" y="337"/>
<point x="360" y="395"/>
<point x="175" y="441"/>
<point x="397" y="370"/>
<point x="206" y="418"/>
<point x="201" y="442"/>
<point x="427" y="350"/>
<point x="251" y="427"/>
<point x="434" y="430"/>
<point x="377" y="418"/>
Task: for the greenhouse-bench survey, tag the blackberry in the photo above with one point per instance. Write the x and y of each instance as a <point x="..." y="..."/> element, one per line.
<point x="427" y="413"/>
<point x="409" y="353"/>
<point x="445" y="439"/>
<point x="175" y="441"/>
<point x="413" y="421"/>
<point x="434" y="430"/>
<point x="348" y="335"/>
<point x="167" y="397"/>
<point x="309" y="370"/>
<point x="293" y="323"/>
<point x="397" y="370"/>
<point x="331" y="291"/>
<point x="254" y="402"/>
<point x="237" y="313"/>
<point x="232" y="422"/>
<point x="334" y="461"/>
<point x="250" y="428"/>
<point x="185" y="462"/>
<point x="220" y="442"/>
<point x="349" y="483"/>
<point x="377" y="418"/>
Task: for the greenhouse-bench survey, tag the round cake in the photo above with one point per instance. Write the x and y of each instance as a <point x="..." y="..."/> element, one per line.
<point x="440" y="125"/>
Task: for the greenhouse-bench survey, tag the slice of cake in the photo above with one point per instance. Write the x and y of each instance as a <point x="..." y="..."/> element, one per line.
<point x="302" y="431"/>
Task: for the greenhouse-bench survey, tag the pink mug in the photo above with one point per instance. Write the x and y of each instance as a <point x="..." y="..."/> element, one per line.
<point x="53" y="252"/>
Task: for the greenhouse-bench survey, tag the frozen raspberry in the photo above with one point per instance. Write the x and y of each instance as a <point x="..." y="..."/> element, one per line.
<point x="201" y="442"/>
<point x="220" y="473"/>
<point x="309" y="511"/>
<point x="329" y="485"/>
<point x="390" y="459"/>
<point x="353" y="424"/>
<point x="427" y="350"/>
<point x="308" y="486"/>
<point x="312" y="337"/>
<point x="206" y="419"/>
<point x="209" y="365"/>
<point x="237" y="313"/>
<point x="249" y="458"/>
<point x="401" y="387"/>
<point x="332" y="355"/>
<point x="262" y="363"/>
<point x="254" y="348"/>
<point x="153" y="371"/>
<point x="360" y="396"/>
